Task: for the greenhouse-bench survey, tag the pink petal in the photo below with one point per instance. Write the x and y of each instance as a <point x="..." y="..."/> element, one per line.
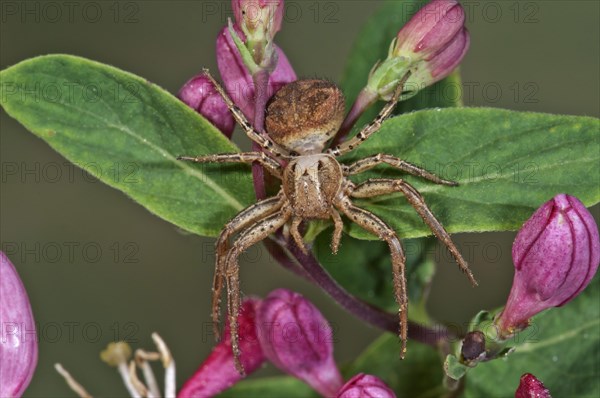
<point x="298" y="340"/>
<point x="200" y="94"/>
<point x="238" y="80"/>
<point x="217" y="373"/>
<point x="18" y="339"/>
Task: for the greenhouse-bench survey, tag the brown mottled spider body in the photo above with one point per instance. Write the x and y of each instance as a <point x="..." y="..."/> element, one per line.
<point x="300" y="119"/>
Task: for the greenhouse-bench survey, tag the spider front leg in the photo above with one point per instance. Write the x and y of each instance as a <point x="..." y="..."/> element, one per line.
<point x="372" y="161"/>
<point x="338" y="228"/>
<point x="296" y="235"/>
<point x="375" y="125"/>
<point x="262" y="139"/>
<point x="376" y="187"/>
<point x="375" y="225"/>
<point x="242" y="220"/>
<point x="247" y="238"/>
<point x="244" y="157"/>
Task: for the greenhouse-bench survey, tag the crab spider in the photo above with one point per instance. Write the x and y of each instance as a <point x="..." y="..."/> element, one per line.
<point x="300" y="119"/>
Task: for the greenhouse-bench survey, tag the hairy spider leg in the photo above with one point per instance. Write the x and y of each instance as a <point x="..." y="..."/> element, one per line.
<point x="242" y="220"/>
<point x="335" y="240"/>
<point x="381" y="158"/>
<point x="376" y="187"/>
<point x="247" y="217"/>
<point x="267" y="162"/>
<point x="296" y="235"/>
<point x="247" y="238"/>
<point x="261" y="139"/>
<point x="337" y="230"/>
<point x="375" y="125"/>
<point x="375" y="225"/>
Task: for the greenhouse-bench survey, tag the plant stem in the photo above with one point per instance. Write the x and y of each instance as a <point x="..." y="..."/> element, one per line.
<point x="261" y="85"/>
<point x="314" y="272"/>
<point x="278" y="252"/>
<point x="323" y="279"/>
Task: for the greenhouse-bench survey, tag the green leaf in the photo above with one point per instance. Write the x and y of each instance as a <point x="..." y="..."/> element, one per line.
<point x="561" y="348"/>
<point x="481" y="318"/>
<point x="419" y="375"/>
<point x="364" y="268"/>
<point x="271" y="387"/>
<point x="372" y="45"/>
<point x="507" y="163"/>
<point x="453" y="368"/>
<point x="127" y="132"/>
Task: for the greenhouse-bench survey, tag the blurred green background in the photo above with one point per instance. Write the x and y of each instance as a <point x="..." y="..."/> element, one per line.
<point x="99" y="267"/>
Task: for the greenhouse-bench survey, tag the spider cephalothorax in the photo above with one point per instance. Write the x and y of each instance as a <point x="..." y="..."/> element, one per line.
<point x="301" y="118"/>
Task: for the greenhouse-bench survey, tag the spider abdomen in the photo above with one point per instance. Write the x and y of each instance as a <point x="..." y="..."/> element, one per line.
<point x="311" y="183"/>
<point x="303" y="115"/>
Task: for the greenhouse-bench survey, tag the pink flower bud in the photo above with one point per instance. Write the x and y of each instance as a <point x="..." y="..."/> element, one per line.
<point x="556" y="254"/>
<point x="430" y="30"/>
<point x="442" y="63"/>
<point x="433" y="42"/>
<point x="18" y="343"/>
<point x="218" y="372"/>
<point x="258" y="18"/>
<point x="430" y="46"/>
<point x="200" y="94"/>
<point x="238" y="80"/>
<point x="298" y="340"/>
<point x="365" y="386"/>
<point x="531" y="387"/>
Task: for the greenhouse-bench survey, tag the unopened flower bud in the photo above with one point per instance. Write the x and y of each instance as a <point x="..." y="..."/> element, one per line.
<point x="531" y="387"/>
<point x="260" y="20"/>
<point x="238" y="79"/>
<point x="363" y="385"/>
<point x="200" y="94"/>
<point x="218" y="372"/>
<point x="556" y="254"/>
<point x="430" y="30"/>
<point x="425" y="73"/>
<point x="430" y="46"/>
<point x="298" y="340"/>
<point x="18" y="344"/>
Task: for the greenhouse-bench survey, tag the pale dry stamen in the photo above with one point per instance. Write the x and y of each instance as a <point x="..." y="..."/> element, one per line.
<point x="72" y="383"/>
